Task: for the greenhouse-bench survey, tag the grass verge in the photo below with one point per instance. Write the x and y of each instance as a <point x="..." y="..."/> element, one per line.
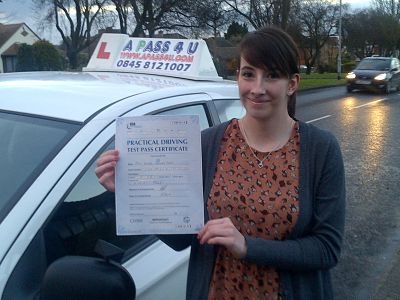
<point x="320" y="80"/>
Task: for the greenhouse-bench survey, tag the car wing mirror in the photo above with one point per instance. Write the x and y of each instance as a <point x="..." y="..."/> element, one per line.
<point x="88" y="278"/>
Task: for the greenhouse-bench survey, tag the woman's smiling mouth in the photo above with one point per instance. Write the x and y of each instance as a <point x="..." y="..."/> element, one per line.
<point x="258" y="101"/>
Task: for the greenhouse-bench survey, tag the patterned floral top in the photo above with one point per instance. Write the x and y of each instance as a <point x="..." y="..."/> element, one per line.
<point x="261" y="202"/>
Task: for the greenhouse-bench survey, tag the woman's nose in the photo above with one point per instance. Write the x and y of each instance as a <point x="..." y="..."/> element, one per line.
<point x="259" y="86"/>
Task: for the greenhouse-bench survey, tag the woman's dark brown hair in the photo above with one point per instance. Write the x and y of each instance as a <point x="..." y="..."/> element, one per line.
<point x="272" y="48"/>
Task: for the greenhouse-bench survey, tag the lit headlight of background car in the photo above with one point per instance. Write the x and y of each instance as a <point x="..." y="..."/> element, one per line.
<point x="351" y="75"/>
<point x="382" y="76"/>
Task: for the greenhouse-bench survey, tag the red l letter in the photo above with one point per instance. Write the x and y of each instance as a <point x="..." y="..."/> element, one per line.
<point x="102" y="53"/>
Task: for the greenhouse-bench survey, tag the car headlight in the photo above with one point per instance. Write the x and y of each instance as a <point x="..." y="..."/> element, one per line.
<point x="350" y="75"/>
<point x="382" y="76"/>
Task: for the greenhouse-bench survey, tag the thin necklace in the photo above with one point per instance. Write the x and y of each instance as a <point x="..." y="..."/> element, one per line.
<point x="260" y="162"/>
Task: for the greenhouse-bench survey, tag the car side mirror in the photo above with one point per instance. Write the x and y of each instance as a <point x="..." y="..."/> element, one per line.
<point x="87" y="278"/>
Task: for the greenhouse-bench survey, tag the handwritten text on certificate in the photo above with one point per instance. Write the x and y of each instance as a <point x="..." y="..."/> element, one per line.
<point x="158" y="176"/>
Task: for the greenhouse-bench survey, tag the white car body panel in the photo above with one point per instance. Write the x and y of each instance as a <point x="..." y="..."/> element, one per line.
<point x="94" y="100"/>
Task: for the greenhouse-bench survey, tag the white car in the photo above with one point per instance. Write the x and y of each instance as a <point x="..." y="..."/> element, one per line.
<point x="54" y="125"/>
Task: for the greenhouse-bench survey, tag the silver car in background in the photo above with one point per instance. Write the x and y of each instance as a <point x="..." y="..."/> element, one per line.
<point x="375" y="73"/>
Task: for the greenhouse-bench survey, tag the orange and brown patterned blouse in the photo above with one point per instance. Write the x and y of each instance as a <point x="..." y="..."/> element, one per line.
<point x="261" y="202"/>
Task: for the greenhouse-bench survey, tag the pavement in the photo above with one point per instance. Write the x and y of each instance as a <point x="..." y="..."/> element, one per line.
<point x="389" y="286"/>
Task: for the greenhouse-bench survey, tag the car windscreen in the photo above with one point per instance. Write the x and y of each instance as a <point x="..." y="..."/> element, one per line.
<point x="374" y="64"/>
<point x="27" y="145"/>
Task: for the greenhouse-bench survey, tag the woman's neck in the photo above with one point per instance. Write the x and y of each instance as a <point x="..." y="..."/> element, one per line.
<point x="268" y="135"/>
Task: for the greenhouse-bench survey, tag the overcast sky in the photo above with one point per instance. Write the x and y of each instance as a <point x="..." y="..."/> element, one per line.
<point x="20" y="11"/>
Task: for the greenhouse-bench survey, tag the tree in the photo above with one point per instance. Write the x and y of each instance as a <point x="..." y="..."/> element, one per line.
<point x="41" y="56"/>
<point x="372" y="31"/>
<point x="74" y="21"/>
<point x="25" y="59"/>
<point x="150" y="15"/>
<point x="211" y="15"/>
<point x="263" y="12"/>
<point x="202" y="18"/>
<point x="46" y="57"/>
<point x="387" y="7"/>
<point x="236" y="31"/>
<point x="317" y="22"/>
<point x="386" y="14"/>
<point x="390" y="29"/>
<point x="357" y="32"/>
<point x="122" y="9"/>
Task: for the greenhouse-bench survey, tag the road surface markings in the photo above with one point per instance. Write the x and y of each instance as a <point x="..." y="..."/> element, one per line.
<point x="350" y="108"/>
<point x="317" y="119"/>
<point x="369" y="103"/>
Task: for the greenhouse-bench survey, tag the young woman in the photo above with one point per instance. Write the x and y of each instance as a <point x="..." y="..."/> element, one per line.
<point x="273" y="186"/>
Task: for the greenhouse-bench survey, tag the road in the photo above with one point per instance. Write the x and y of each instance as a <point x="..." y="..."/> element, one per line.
<point x="368" y="129"/>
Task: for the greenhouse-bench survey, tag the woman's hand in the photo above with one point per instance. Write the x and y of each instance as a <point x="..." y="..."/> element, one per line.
<point x="105" y="169"/>
<point x="223" y="232"/>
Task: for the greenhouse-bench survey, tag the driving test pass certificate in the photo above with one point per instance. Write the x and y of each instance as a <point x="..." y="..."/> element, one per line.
<point x="159" y="175"/>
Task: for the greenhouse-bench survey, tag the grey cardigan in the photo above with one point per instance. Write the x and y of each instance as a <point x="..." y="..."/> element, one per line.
<point x="313" y="247"/>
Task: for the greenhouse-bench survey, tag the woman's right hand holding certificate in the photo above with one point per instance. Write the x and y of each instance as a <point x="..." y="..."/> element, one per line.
<point x="105" y="169"/>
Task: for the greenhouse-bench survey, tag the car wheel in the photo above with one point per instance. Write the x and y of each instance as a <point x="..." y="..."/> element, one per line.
<point x="386" y="89"/>
<point x="349" y="89"/>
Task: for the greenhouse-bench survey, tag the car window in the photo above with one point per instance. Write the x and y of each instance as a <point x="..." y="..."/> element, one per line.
<point x="88" y="212"/>
<point x="190" y="110"/>
<point x="27" y="144"/>
<point x="395" y="64"/>
<point x="374" y="64"/>
<point x="228" y="109"/>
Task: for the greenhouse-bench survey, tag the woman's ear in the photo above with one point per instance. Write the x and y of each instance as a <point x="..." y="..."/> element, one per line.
<point x="294" y="82"/>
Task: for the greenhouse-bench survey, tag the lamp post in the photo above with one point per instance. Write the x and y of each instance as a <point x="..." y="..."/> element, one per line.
<point x="339" y="57"/>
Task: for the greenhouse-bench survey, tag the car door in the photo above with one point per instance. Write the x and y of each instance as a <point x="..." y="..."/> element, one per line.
<point x="158" y="271"/>
<point x="395" y="67"/>
<point x="77" y="211"/>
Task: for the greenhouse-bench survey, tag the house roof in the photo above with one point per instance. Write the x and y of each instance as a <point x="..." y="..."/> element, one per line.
<point x="12" y="50"/>
<point x="7" y="30"/>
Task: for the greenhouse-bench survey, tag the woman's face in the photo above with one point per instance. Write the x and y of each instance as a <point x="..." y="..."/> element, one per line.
<point x="264" y="93"/>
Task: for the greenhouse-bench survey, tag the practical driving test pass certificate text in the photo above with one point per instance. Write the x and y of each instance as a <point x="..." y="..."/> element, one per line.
<point x="159" y="175"/>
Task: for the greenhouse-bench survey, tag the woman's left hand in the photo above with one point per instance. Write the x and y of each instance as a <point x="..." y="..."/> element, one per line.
<point x="223" y="232"/>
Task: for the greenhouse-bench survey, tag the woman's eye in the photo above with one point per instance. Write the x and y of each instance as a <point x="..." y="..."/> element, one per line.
<point x="247" y="74"/>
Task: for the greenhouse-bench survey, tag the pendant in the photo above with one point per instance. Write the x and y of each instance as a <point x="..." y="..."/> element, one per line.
<point x="260" y="164"/>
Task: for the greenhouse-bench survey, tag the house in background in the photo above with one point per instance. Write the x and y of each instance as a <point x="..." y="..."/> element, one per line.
<point x="11" y="37"/>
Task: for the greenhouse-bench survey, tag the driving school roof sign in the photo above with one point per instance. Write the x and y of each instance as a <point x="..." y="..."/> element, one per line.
<point x="172" y="57"/>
